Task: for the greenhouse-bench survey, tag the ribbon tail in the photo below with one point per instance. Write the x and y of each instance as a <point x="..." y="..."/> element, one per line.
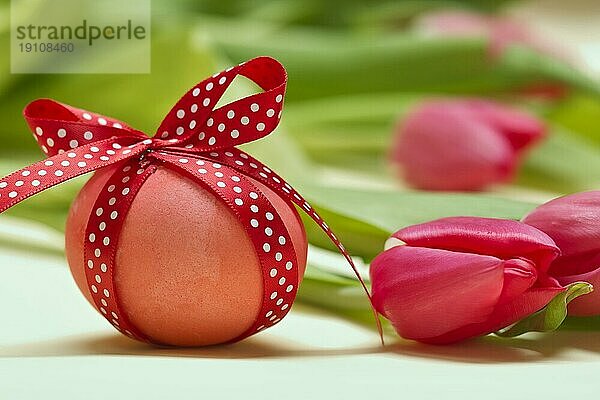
<point x="42" y="175"/>
<point x="250" y="166"/>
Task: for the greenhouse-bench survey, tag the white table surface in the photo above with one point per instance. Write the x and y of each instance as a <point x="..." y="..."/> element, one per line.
<point x="54" y="346"/>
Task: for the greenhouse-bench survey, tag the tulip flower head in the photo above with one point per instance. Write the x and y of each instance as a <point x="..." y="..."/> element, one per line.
<point x="573" y="222"/>
<point x="456" y="278"/>
<point x="500" y="31"/>
<point x="462" y="144"/>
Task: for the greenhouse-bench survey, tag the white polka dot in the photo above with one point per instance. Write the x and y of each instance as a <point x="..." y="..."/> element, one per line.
<point x="268" y="231"/>
<point x="233" y="177"/>
<point x="106" y="241"/>
<point x="179" y="130"/>
<point x="254" y="223"/>
<point x="50" y="142"/>
<point x="92" y="237"/>
<point x="112" y="201"/>
<point x="235" y="133"/>
<point x="239" y="202"/>
<point x="222" y="80"/>
<point x="13" y="194"/>
<point x="196" y="92"/>
<point x="101" y="121"/>
<point x="273" y="295"/>
<point x="125" y="192"/>
<point x="90" y="264"/>
<point x="221" y="127"/>
<point x="192" y="124"/>
<point x="253" y="195"/>
<point x="273" y="273"/>
<point x="117" y="125"/>
<point x="237" y="189"/>
<point x="99" y="211"/>
<point x="81" y="164"/>
<point x="102" y="226"/>
<point x="107" y="295"/>
<point x="103" y="268"/>
<point x="3" y="185"/>
<point x="73" y="143"/>
<point x="97" y="253"/>
<point x="180" y="114"/>
<point x="58" y="172"/>
<point x="260" y="127"/>
<point x="202" y="171"/>
<point x="270" y="112"/>
<point x="254" y="208"/>
<point x="245" y="120"/>
<point x="98" y="278"/>
<point x="87" y="116"/>
<point x="279" y="98"/>
<point x="35" y="182"/>
<point x="230" y="114"/>
<point x="289" y="288"/>
<point x="65" y="163"/>
<point x="209" y="86"/>
<point x="114" y="215"/>
<point x="111" y="188"/>
<point x="284" y="307"/>
<point x="266" y="247"/>
<point x="288" y="265"/>
<point x="194" y="108"/>
<point x="19" y="183"/>
<point x="212" y="141"/>
<point x="269" y="216"/>
<point x="278" y="257"/>
<point x="88" y="135"/>
<point x="39" y="131"/>
<point x="221" y="184"/>
<point x="206" y="102"/>
<point x="254" y="107"/>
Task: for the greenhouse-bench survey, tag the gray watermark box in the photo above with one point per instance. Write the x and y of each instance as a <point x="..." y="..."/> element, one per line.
<point x="80" y="36"/>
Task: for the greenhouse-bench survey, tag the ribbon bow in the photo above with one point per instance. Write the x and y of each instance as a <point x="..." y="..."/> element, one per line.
<point x="194" y="139"/>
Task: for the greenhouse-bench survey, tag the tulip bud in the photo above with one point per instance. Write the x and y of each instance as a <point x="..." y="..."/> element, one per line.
<point x="573" y="222"/>
<point x="460" y="277"/>
<point x="501" y="32"/>
<point x="463" y="144"/>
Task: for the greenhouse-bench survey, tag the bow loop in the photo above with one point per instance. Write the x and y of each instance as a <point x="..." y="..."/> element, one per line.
<point x="59" y="127"/>
<point x="195" y="122"/>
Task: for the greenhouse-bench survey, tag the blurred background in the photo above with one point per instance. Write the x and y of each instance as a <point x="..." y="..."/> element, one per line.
<point x="357" y="69"/>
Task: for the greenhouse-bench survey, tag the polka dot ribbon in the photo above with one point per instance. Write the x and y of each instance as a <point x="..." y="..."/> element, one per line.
<point x="196" y="140"/>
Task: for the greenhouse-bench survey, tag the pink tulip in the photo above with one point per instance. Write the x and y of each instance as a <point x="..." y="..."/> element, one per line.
<point x="501" y="31"/>
<point x="455" y="278"/>
<point x="462" y="144"/>
<point x="574" y="223"/>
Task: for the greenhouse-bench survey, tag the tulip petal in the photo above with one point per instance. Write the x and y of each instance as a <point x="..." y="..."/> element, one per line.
<point x="504" y="315"/>
<point x="504" y="239"/>
<point x="519" y="128"/>
<point x="587" y="305"/>
<point x="519" y="275"/>
<point x="442" y="146"/>
<point x="573" y="222"/>
<point x="429" y="292"/>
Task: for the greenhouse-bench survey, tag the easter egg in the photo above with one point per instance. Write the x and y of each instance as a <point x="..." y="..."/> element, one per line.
<point x="186" y="271"/>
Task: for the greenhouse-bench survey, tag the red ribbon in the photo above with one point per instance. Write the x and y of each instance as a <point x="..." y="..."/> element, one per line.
<point x="194" y="139"/>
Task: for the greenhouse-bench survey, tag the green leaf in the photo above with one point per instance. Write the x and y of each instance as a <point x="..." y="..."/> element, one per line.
<point x="550" y="317"/>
